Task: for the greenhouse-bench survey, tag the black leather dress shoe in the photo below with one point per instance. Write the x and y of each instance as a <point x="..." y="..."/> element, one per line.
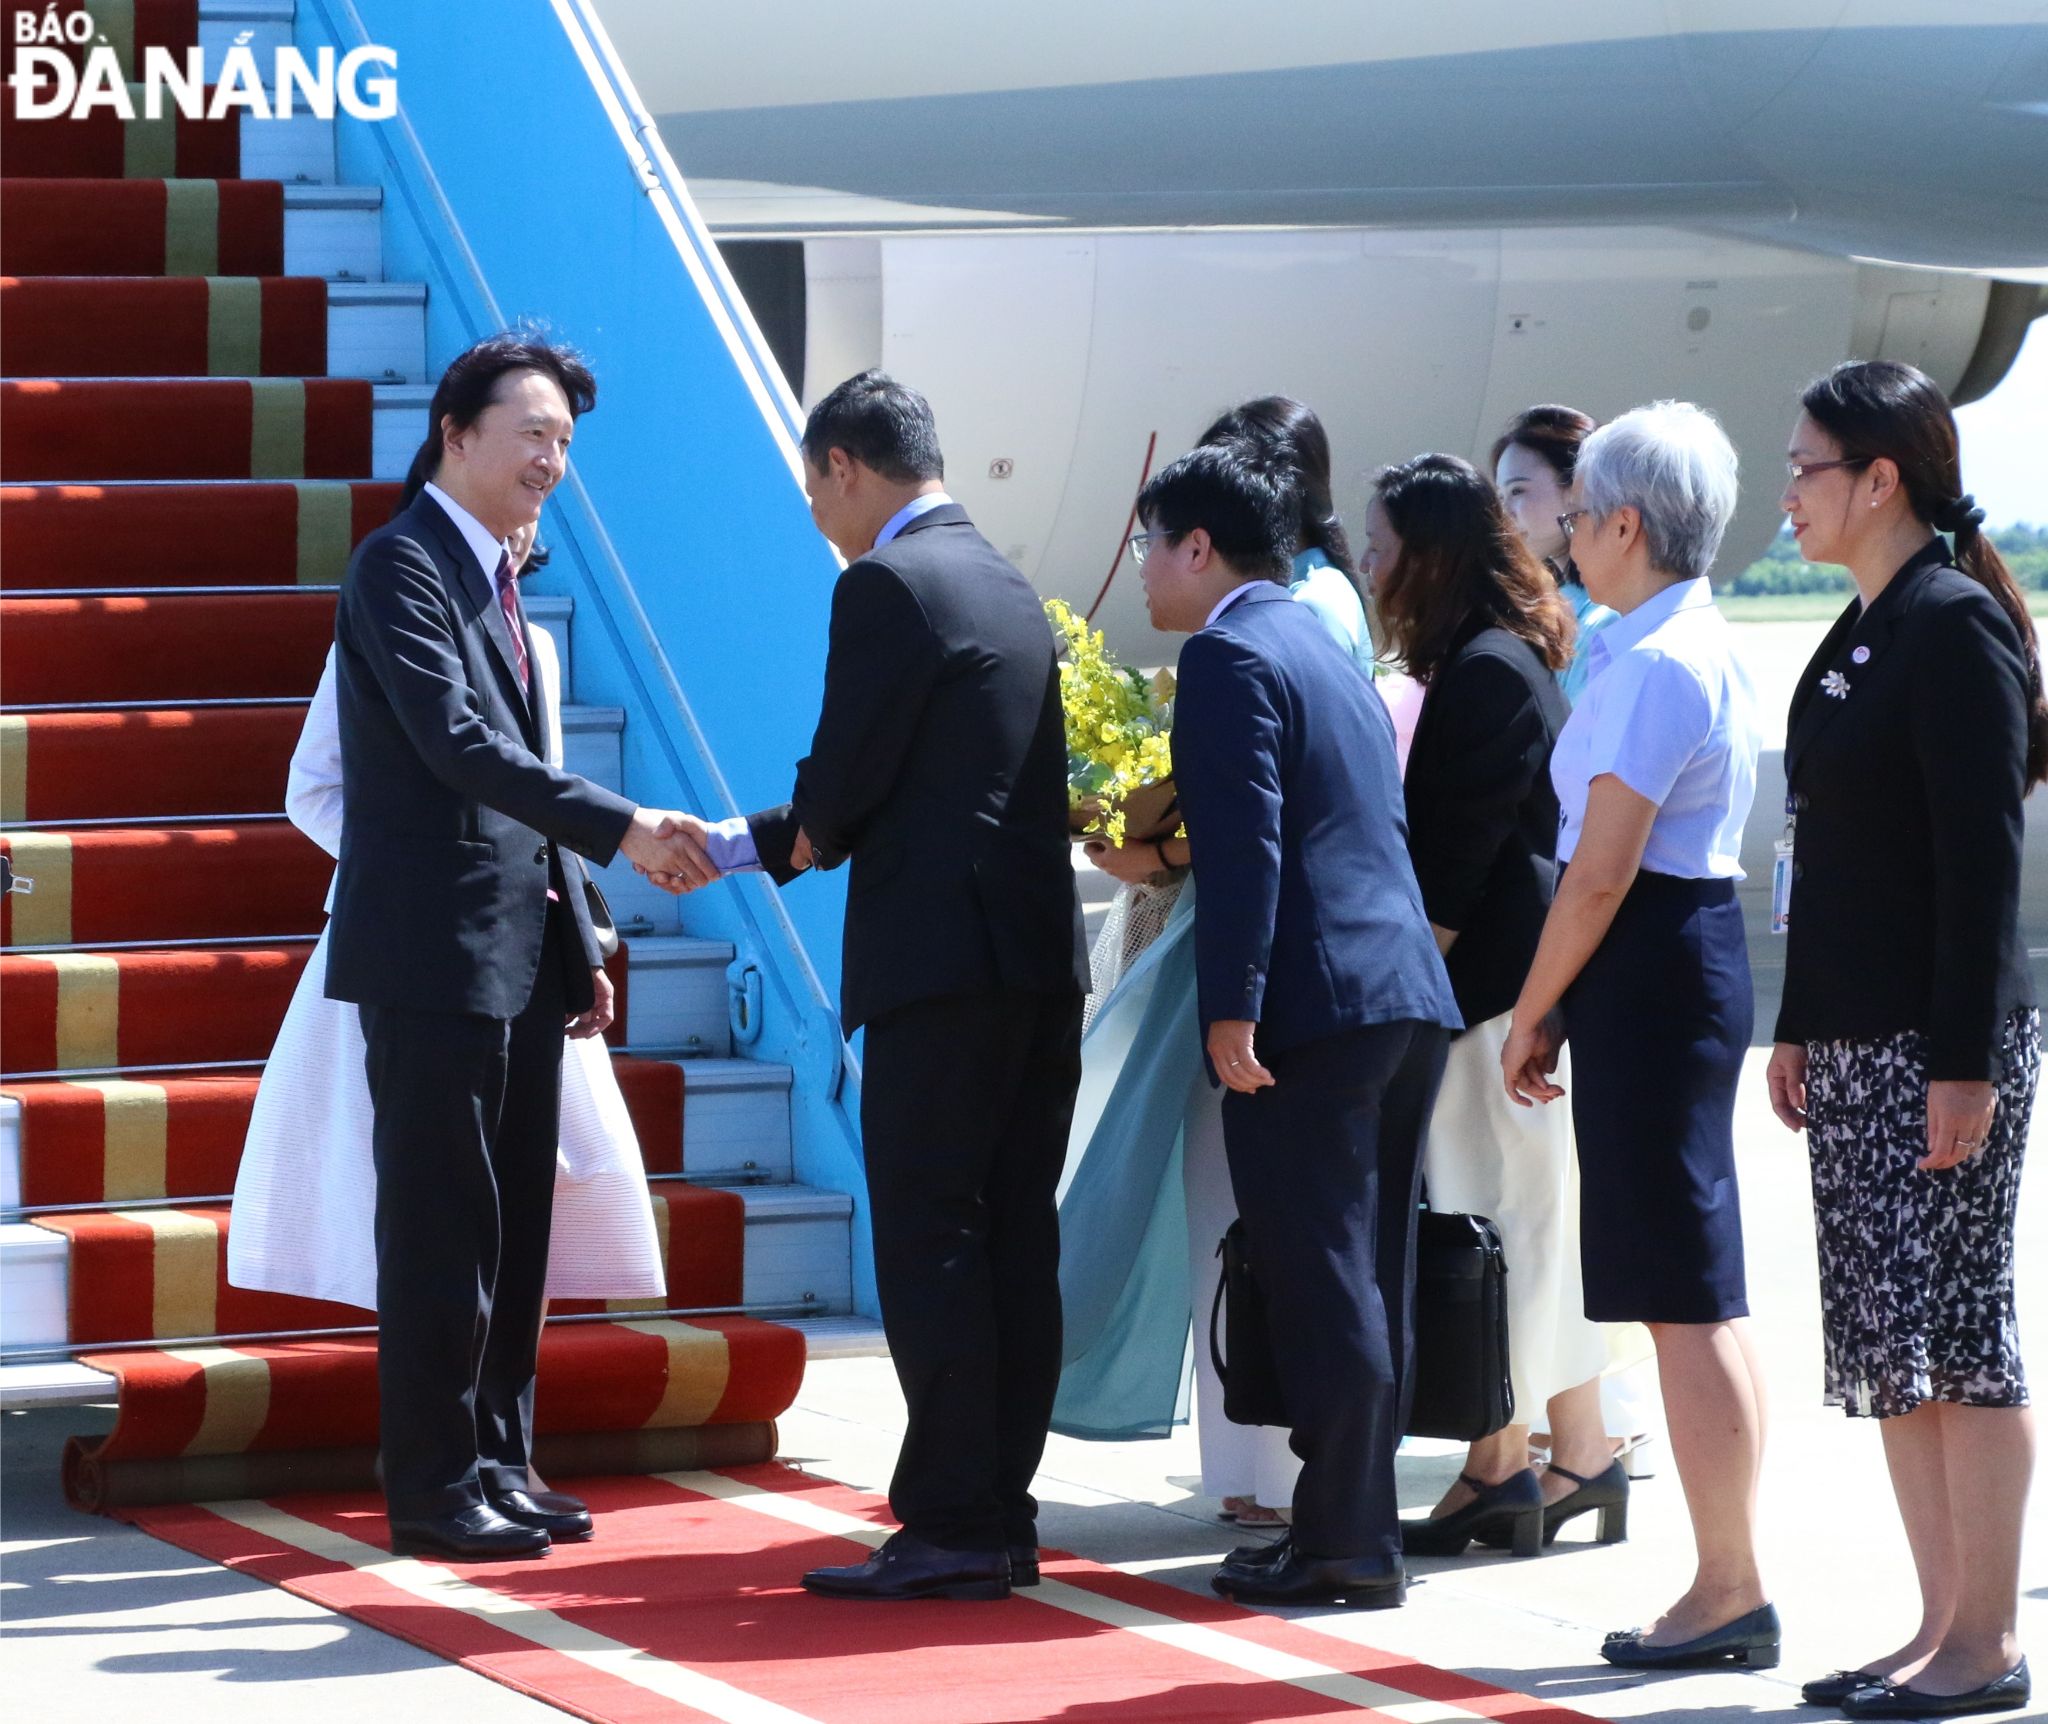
<point x="908" y="1567"/>
<point x="1356" y="1582"/>
<point x="1256" y="1558"/>
<point x="1900" y="1700"/>
<point x="475" y="1534"/>
<point x="1752" y="1640"/>
<point x="555" y="1513"/>
<point x="1023" y="1565"/>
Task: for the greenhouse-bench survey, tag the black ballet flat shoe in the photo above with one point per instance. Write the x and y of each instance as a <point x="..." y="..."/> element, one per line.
<point x="1752" y="1640"/>
<point x="1899" y="1700"/>
<point x="907" y="1567"/>
<point x="1509" y="1513"/>
<point x="1356" y="1582"/>
<point x="1023" y="1565"/>
<point x="1833" y="1689"/>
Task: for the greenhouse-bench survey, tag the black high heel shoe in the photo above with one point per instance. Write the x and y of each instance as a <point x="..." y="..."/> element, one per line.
<point x="1752" y="1640"/>
<point x="1511" y="1512"/>
<point x="1606" y="1492"/>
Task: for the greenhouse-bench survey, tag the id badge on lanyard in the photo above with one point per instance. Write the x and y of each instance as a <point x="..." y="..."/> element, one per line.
<point x="1781" y="871"/>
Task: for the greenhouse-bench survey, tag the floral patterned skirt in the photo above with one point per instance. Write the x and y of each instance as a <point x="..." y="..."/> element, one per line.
<point x="1916" y="1269"/>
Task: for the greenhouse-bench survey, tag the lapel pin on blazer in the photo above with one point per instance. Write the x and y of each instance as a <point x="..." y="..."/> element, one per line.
<point x="1860" y="656"/>
<point x="1835" y="684"/>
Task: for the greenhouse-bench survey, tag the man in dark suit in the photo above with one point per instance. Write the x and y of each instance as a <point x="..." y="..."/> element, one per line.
<point x="1323" y="1002"/>
<point x="939" y="767"/>
<point x="461" y="933"/>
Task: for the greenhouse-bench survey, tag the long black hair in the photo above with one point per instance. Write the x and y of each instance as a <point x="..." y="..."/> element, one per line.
<point x="1293" y="433"/>
<point x="1879" y="409"/>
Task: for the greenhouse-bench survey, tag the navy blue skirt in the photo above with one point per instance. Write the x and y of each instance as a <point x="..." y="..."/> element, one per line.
<point x="1659" y="1021"/>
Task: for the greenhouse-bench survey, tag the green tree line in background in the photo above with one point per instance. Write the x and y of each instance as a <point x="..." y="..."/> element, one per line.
<point x="1781" y="570"/>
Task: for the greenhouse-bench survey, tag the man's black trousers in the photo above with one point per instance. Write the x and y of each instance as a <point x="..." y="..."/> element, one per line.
<point x="965" y="1107"/>
<point x="467" y="1125"/>
<point x="1326" y="1166"/>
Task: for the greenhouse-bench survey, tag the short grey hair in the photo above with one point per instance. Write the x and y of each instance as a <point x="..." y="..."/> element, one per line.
<point x="1674" y="465"/>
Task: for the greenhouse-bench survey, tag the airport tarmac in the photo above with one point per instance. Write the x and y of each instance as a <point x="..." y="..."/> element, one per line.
<point x="97" y="1619"/>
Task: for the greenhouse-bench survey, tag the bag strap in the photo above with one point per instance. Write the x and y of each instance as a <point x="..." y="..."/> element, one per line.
<point x="1216" y="1311"/>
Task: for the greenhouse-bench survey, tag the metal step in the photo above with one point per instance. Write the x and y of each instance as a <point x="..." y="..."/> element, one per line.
<point x="378" y="330"/>
<point x="676" y="997"/>
<point x="798" y="1251"/>
<point x="298" y="151"/>
<point x="398" y="425"/>
<point x="334" y="231"/>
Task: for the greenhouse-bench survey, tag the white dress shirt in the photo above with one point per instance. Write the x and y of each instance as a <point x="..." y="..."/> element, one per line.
<point x="1667" y="708"/>
<point x="475" y="534"/>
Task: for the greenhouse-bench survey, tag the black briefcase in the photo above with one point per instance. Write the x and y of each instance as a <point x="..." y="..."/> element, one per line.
<point x="1462" y="1387"/>
<point x="1244" y="1361"/>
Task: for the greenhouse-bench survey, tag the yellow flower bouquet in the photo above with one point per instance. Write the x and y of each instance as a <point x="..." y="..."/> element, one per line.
<point x="1119" y="748"/>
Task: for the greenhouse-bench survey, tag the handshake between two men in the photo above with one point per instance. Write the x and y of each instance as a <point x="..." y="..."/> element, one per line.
<point x="678" y="852"/>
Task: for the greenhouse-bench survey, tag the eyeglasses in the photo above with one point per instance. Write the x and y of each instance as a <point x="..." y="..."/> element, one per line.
<point x="1798" y="470"/>
<point x="1566" y="521"/>
<point x="1138" y="544"/>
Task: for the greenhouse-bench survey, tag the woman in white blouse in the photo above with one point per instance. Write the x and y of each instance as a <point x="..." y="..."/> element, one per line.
<point x="1643" y="951"/>
<point x="306" y="1191"/>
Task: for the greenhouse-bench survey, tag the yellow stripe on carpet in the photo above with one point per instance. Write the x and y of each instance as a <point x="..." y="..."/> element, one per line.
<point x="237" y="1398"/>
<point x="115" y="20"/>
<point x="234" y="326"/>
<point x="661" y="1225"/>
<point x="88" y="1011"/>
<point x="326" y="522"/>
<point x="1212" y="1644"/>
<point x="136" y="1150"/>
<point x="13" y="768"/>
<point x="277" y="433"/>
<point x="434" y="1585"/>
<point x="185" y="1271"/>
<point x="42" y="917"/>
<point x="191" y="227"/>
<point x="699" y="1365"/>
<point x="149" y="148"/>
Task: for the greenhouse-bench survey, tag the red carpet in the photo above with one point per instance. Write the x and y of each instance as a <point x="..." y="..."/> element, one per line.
<point x="90" y="1010"/>
<point x="157" y="24"/>
<point x="631" y="1375"/>
<point x="197" y="646"/>
<point x="193" y="326"/>
<point x="686" y="1606"/>
<point x="129" y="884"/>
<point x="103" y="146"/>
<point x="144" y="1137"/>
<point x="190" y="428"/>
<point x="141" y="227"/>
<point x="161" y="1274"/>
<point x="172" y="760"/>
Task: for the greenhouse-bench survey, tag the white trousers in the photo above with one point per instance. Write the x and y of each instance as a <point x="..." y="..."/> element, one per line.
<point x="1237" y="1460"/>
<point x="1518" y="1167"/>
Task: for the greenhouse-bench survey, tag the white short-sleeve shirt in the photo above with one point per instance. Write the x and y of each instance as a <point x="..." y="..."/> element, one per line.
<point x="1667" y="708"/>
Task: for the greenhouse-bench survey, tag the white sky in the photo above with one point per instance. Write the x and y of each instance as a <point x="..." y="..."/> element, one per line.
<point x="2005" y="439"/>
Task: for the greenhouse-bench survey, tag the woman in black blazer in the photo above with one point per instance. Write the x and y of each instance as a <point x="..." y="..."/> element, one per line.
<point x="1908" y="1042"/>
<point x="1474" y="616"/>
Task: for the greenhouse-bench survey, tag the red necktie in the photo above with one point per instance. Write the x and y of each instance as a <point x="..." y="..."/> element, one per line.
<point x="508" y="601"/>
